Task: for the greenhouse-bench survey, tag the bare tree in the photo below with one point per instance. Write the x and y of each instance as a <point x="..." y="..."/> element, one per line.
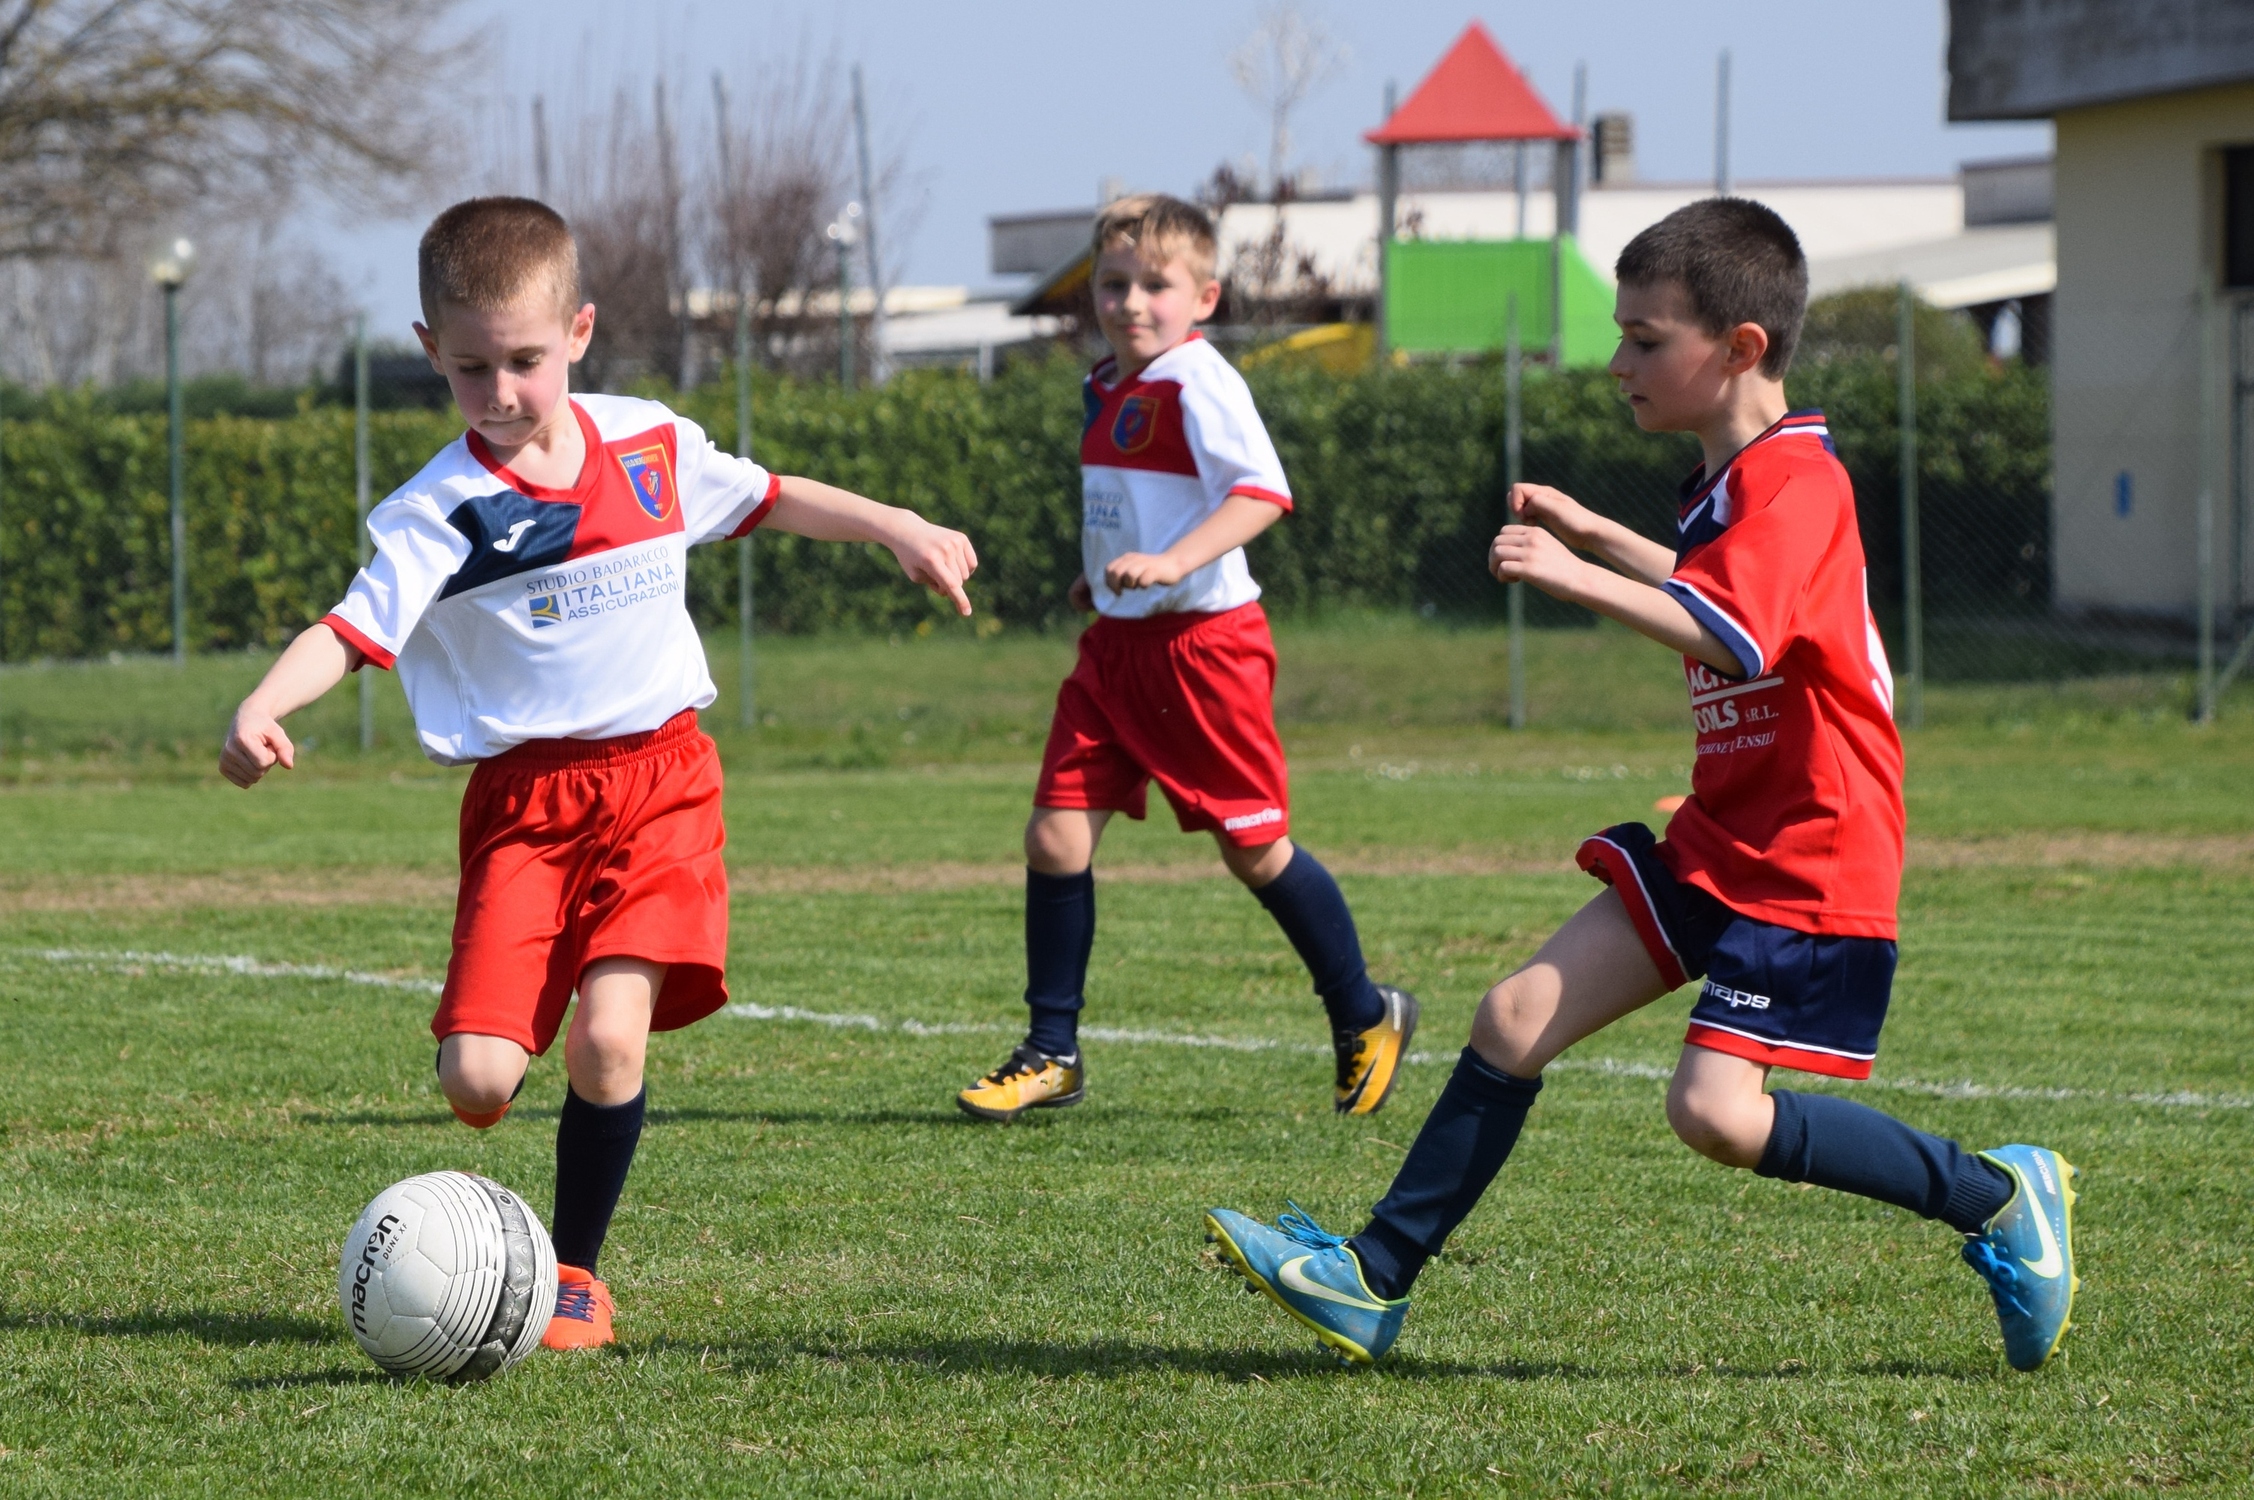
<point x="117" y="112"/>
<point x="613" y="188"/>
<point x="1287" y="56"/>
<point x="784" y="168"/>
<point x="677" y="203"/>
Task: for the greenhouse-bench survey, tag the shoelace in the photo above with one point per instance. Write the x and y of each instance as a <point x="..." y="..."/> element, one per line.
<point x="1996" y="1269"/>
<point x="1298" y="1227"/>
<point x="1348" y="1047"/>
<point x="576" y="1302"/>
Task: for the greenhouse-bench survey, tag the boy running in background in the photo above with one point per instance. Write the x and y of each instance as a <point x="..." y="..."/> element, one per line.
<point x="1176" y="678"/>
<point x="528" y="587"/>
<point x="1778" y="878"/>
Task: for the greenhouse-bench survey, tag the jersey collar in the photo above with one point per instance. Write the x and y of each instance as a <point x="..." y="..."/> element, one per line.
<point x="1101" y="377"/>
<point x="590" y="467"/>
<point x="1701" y="484"/>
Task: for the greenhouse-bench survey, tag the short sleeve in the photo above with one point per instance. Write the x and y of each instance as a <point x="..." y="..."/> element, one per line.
<point x="1230" y="442"/>
<point x="1747" y="583"/>
<point x="416" y="551"/>
<point x="721" y="495"/>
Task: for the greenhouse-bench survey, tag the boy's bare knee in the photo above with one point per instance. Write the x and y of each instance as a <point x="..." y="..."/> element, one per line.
<point x="1721" y="1126"/>
<point x="1258" y="864"/>
<point x="1058" y="845"/>
<point x="479" y="1074"/>
<point x="1506" y="1030"/>
<point x="603" y="1057"/>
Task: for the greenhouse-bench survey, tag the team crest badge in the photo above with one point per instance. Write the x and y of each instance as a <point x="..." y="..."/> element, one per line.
<point x="652" y="479"/>
<point x="546" y="610"/>
<point x="1136" y="424"/>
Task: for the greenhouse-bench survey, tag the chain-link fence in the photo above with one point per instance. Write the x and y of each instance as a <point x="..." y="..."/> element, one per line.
<point x="1400" y="476"/>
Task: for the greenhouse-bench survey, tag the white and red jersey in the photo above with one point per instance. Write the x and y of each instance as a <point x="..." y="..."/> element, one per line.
<point x="514" y="612"/>
<point x="1795" y="813"/>
<point x="1159" y="454"/>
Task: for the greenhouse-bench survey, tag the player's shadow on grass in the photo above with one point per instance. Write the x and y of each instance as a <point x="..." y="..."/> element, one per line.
<point x="1100" y="1358"/>
<point x="326" y="1379"/>
<point x="232" y="1329"/>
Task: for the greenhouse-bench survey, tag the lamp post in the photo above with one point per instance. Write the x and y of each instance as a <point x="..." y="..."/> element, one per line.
<point x="170" y="271"/>
<point x="845" y="233"/>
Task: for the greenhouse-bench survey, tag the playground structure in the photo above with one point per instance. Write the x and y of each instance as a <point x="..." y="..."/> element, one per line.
<point x="1458" y="296"/>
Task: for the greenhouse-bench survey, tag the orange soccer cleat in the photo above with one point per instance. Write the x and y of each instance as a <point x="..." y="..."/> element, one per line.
<point x="583" y="1311"/>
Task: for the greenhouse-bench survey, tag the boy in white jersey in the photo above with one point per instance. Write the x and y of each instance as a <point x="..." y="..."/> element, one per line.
<point x="528" y="585"/>
<point x="1176" y="678"/>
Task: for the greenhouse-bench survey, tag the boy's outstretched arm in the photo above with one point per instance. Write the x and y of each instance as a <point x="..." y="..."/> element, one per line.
<point x="315" y="662"/>
<point x="1237" y="520"/>
<point x="930" y="555"/>
<point x="1531" y="555"/>
<point x="1586" y="531"/>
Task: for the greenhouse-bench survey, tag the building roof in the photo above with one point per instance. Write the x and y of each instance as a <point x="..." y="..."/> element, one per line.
<point x="1968" y="269"/>
<point x="1836" y="220"/>
<point x="1474" y="94"/>
<point x="2011" y="60"/>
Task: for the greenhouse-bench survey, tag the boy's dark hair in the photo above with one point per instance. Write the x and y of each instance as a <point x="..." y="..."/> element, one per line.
<point x="1160" y="228"/>
<point x="483" y="253"/>
<point x="1736" y="261"/>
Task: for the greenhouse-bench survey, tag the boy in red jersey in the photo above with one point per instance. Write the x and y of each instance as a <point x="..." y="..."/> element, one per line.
<point x="1176" y="678"/>
<point x="1778" y="877"/>
<point x="528" y="585"/>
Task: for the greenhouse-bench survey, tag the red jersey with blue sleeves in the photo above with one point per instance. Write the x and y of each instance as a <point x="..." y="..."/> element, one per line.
<point x="1795" y="814"/>
<point x="1158" y="454"/>
<point x="514" y="612"/>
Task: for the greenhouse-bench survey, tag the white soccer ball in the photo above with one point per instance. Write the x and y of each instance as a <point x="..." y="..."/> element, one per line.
<point x="447" y="1276"/>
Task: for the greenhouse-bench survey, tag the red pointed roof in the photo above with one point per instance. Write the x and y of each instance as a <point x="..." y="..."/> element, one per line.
<point x="1475" y="94"/>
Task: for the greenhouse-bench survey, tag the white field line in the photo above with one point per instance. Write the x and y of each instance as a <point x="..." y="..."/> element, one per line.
<point x="1608" y="1066"/>
<point x="124" y="960"/>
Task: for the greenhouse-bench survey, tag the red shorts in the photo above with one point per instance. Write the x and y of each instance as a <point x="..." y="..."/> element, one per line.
<point x="574" y="850"/>
<point x="1186" y="700"/>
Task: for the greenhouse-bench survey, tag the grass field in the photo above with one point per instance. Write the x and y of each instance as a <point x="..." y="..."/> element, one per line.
<point x="832" y="1283"/>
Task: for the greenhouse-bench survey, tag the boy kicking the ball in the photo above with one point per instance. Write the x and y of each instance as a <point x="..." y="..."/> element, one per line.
<point x="528" y="586"/>
<point x="1778" y="877"/>
<point x="1176" y="678"/>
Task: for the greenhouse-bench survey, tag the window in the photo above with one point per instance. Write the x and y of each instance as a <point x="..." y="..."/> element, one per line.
<point x="2238" y="216"/>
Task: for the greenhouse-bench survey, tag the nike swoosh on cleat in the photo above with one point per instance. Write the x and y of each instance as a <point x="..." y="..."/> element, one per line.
<point x="1291" y="1276"/>
<point x="2052" y="1262"/>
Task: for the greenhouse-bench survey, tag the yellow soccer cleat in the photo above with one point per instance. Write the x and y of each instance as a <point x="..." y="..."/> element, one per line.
<point x="1031" y="1079"/>
<point x="1370" y="1061"/>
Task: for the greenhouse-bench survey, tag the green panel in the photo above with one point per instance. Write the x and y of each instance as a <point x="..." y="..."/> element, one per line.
<point x="1451" y="297"/>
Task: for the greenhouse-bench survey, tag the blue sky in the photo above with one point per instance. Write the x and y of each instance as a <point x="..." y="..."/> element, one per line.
<point x="1009" y="105"/>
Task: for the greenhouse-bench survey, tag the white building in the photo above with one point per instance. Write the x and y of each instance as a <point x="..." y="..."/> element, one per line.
<point x="2153" y="327"/>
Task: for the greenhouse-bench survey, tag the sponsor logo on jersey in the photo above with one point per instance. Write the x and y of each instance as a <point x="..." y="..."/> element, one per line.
<point x="1104" y="508"/>
<point x="1136" y="424"/>
<point x="516" y="534"/>
<point x="646" y="471"/>
<point x="603" y="585"/>
<point x="1736" y="999"/>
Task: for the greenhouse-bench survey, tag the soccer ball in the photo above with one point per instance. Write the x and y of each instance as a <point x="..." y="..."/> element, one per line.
<point x="448" y="1276"/>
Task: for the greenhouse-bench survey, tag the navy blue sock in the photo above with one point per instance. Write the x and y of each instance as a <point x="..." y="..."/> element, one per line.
<point x="1309" y="907"/>
<point x="1060" y="929"/>
<point x="594" y="1147"/>
<point x="1471" y="1129"/>
<point x="1836" y="1143"/>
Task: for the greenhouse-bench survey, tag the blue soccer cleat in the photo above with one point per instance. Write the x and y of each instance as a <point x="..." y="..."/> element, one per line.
<point x="1313" y="1276"/>
<point x="2026" y="1254"/>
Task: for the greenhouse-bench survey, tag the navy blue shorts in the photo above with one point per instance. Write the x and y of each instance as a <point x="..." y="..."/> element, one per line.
<point x="1773" y="994"/>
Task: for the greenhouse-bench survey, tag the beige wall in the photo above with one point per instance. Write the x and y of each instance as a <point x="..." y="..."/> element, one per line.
<point x="2138" y="237"/>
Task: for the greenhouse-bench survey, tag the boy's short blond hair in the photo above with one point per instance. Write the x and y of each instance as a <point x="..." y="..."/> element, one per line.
<point x="1160" y="228"/>
<point x="485" y="254"/>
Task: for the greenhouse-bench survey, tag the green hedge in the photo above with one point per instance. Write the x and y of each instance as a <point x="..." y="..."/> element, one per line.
<point x="1398" y="476"/>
